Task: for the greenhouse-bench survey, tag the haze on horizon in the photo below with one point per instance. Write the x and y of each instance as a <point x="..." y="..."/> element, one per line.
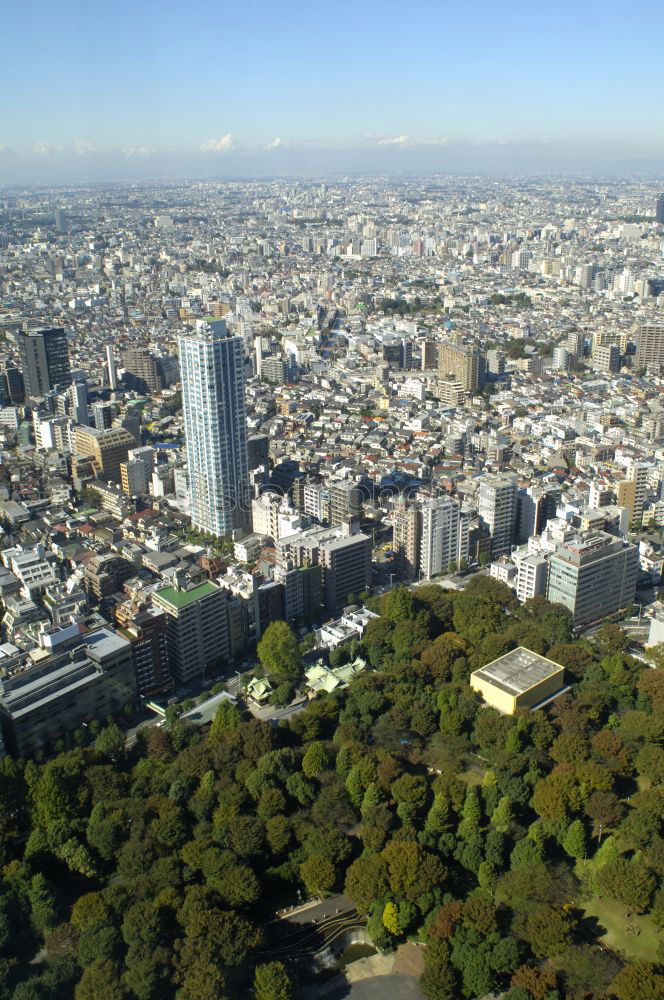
<point x="159" y="90"/>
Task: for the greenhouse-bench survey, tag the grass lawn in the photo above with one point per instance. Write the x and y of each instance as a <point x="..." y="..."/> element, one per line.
<point x="613" y="916"/>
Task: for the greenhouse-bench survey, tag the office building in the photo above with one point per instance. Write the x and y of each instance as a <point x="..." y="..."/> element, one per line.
<point x="519" y="679"/>
<point x="659" y="210"/>
<point x="215" y="424"/>
<point x="44" y="360"/>
<point x="593" y="575"/>
<point x="406" y="535"/>
<point x="15" y="385"/>
<point x="497" y="509"/>
<point x="444" y="537"/>
<point x="107" y="449"/>
<point x="463" y="364"/>
<point x="205" y="625"/>
<point x="79" y="679"/>
<point x="650" y="346"/>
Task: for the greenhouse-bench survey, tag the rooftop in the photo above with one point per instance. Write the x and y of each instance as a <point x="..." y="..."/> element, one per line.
<point x="518" y="671"/>
<point x="179" y="599"/>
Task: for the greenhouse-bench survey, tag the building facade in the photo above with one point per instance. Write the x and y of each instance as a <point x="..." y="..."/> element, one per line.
<point x="215" y="424"/>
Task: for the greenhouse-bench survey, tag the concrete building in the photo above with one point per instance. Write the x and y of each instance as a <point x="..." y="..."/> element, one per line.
<point x="110" y="368"/>
<point x="465" y="364"/>
<point x="204" y="625"/>
<point x="44" y="360"/>
<point x="531" y="577"/>
<point x="650" y="346"/>
<point x="107" y="449"/>
<point x="141" y="365"/>
<point x="497" y="509"/>
<point x="631" y="491"/>
<point x="147" y="630"/>
<point x="520" y="679"/>
<point x="406" y="536"/>
<point x="444" y="536"/>
<point x="91" y="679"/>
<point x="215" y="424"/>
<point x="345" y="502"/>
<point x="133" y="477"/>
<point x="346" y="568"/>
<point x="606" y="358"/>
<point x="593" y="575"/>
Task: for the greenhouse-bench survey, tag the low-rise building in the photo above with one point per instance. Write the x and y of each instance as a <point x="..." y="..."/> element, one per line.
<point x="520" y="679"/>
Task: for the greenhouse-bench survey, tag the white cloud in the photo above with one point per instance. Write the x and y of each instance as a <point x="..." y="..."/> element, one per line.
<point x="81" y="147"/>
<point x="45" y="149"/>
<point x="408" y="141"/>
<point x="224" y="144"/>
<point x="399" y="140"/>
<point x="277" y="143"/>
<point x="7" y="151"/>
<point x="131" y="151"/>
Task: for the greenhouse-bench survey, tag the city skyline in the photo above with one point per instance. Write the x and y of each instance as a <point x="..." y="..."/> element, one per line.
<point x="264" y="91"/>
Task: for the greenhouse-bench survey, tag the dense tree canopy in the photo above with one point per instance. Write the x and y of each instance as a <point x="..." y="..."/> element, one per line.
<point x="152" y="870"/>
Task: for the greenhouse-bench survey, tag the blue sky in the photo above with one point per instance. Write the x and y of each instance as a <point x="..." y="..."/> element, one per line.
<point x="254" y="87"/>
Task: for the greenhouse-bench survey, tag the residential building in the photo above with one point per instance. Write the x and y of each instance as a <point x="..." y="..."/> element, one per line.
<point x="406" y="536"/>
<point x="444" y="536"/>
<point x="465" y="364"/>
<point x="143" y="370"/>
<point x="650" y="345"/>
<point x="497" y="509"/>
<point x="205" y="625"/>
<point x="215" y="425"/>
<point x="346" y="568"/>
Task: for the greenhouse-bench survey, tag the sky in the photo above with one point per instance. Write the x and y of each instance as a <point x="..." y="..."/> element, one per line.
<point x="268" y="87"/>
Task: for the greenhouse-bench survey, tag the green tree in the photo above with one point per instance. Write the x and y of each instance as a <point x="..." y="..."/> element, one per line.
<point x="318" y="874"/>
<point x="638" y="979"/>
<point x="574" y="841"/>
<point x="629" y="882"/>
<point x="549" y="930"/>
<point x="501" y="817"/>
<point x="279" y="653"/>
<point x="391" y="918"/>
<point x="366" y="881"/>
<point x="272" y="982"/>
<point x="315" y="760"/>
<point x="101" y="979"/>
<point x="227" y="719"/>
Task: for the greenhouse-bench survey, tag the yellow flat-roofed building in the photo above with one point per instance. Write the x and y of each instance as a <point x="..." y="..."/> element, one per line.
<point x="519" y="679"/>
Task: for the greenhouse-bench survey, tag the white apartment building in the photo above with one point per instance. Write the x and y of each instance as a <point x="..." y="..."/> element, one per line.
<point x="215" y="424"/>
<point x="444" y="538"/>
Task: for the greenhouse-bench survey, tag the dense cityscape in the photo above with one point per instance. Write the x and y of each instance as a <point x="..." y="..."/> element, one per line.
<point x="331" y="548"/>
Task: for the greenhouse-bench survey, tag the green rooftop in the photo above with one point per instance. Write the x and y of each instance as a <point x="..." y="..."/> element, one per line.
<point x="179" y="599"/>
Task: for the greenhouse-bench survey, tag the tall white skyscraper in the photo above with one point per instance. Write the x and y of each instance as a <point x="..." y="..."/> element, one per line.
<point x="110" y="366"/>
<point x="215" y="424"/>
